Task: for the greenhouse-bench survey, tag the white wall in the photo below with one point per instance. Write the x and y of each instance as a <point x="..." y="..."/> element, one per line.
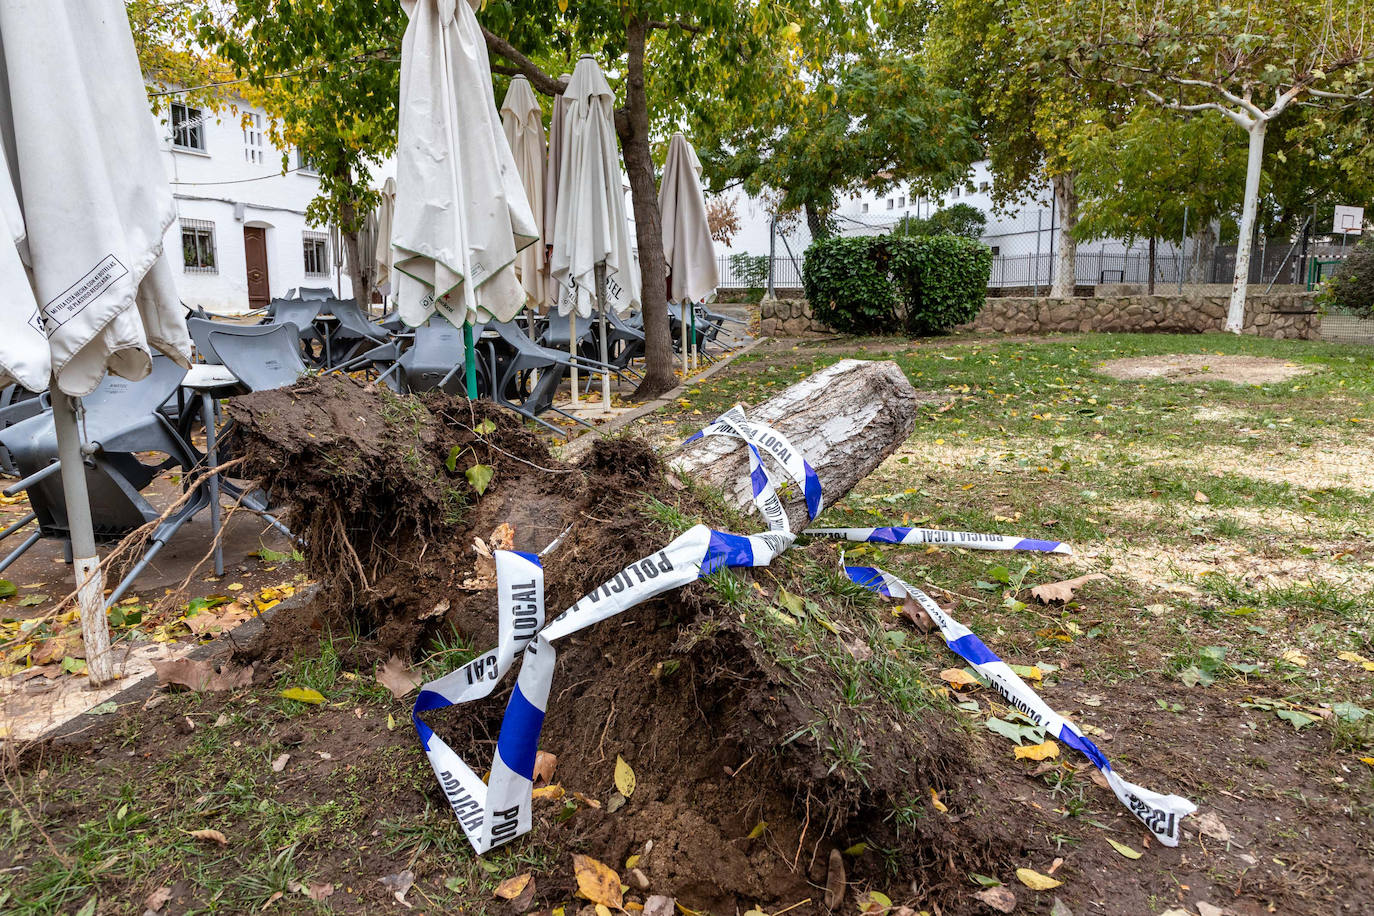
<point x="210" y="185"/>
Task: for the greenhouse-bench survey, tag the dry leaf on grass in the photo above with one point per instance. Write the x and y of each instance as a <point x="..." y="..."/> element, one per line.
<point x="511" y="888"/>
<point x="1036" y="881"/>
<point x="201" y="674"/>
<point x="157" y="899"/>
<point x="399" y="884"/>
<point x="597" y="882"/>
<point x="858" y="649"/>
<point x="213" y="836"/>
<point x="835" y="881"/>
<point x="997" y="898"/>
<point x="397" y="677"/>
<point x="1062" y="592"/>
<point x="958" y="677"/>
<point x="917" y="615"/>
<point x="544" y="765"/>
<point x="1209" y="825"/>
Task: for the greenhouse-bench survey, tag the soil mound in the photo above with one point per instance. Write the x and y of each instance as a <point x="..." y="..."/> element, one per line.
<point x="734" y="714"/>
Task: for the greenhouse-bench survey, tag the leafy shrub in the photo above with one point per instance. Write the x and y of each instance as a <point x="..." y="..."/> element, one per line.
<point x="752" y="270"/>
<point x="880" y="284"/>
<point x="957" y="219"/>
<point x="847" y="282"/>
<point x="1351" y="288"/>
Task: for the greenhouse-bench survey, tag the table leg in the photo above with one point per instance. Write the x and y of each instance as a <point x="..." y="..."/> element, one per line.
<point x="207" y="410"/>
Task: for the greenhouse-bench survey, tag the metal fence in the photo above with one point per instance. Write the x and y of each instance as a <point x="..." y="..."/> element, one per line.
<point x="787" y="273"/>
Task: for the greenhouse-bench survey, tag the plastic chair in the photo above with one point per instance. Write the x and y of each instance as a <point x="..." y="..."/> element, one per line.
<point x="261" y="356"/>
<point x="314" y="344"/>
<point x="435" y="360"/>
<point x="352" y="330"/>
<point x="511" y="366"/>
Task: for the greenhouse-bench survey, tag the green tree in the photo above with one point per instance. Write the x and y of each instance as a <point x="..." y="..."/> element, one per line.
<point x="1248" y="61"/>
<point x="328" y="75"/>
<point x="958" y="219"/>
<point x="1148" y="177"/>
<point x="173" y="67"/>
<point x="674" y="60"/>
<point x="878" y="123"/>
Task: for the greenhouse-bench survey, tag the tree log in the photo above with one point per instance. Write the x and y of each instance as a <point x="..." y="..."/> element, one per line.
<point x="844" y="419"/>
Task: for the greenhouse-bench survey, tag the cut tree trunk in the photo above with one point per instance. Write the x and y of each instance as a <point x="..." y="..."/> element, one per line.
<point x="844" y="419"/>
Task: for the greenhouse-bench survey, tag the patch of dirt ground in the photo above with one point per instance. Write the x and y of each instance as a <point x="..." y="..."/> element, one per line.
<point x="1204" y="367"/>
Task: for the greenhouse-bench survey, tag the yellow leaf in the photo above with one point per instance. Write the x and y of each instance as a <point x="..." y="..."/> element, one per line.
<point x="958" y="677"/>
<point x="1122" y="848"/>
<point x="597" y="882"/>
<point x="757" y="831"/>
<point x="1042" y="751"/>
<point x="632" y="861"/>
<point x="935" y="800"/>
<point x="1294" y="657"/>
<point x="303" y="695"/>
<point x="1036" y="881"/>
<point x="511" y="888"/>
<point x="236" y="586"/>
<point x="553" y="792"/>
<point x="1357" y="659"/>
<point x="1367" y="760"/>
<point x="603" y="910"/>
<point x="624" y="777"/>
<point x="390" y="722"/>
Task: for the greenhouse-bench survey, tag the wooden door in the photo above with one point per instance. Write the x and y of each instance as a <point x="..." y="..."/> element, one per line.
<point x="255" y="255"/>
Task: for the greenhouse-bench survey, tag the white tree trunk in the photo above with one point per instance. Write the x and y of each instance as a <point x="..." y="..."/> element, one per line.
<point x="845" y="420"/>
<point x="1235" y="314"/>
<point x="1066" y="266"/>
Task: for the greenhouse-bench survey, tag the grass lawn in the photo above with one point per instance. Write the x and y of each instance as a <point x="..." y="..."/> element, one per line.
<point x="1222" y="658"/>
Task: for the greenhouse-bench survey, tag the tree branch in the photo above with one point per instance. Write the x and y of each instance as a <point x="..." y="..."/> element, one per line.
<point x="675" y="24"/>
<point x="1236" y="116"/>
<point x="523" y="66"/>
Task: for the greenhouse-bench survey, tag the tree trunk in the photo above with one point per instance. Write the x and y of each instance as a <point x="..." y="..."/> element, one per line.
<point x="815" y="223"/>
<point x="1235" y="313"/>
<point x="1204" y="250"/>
<point x="349" y="224"/>
<point x="1066" y="201"/>
<point x="1150" y="266"/>
<point x="845" y="420"/>
<point x="639" y="167"/>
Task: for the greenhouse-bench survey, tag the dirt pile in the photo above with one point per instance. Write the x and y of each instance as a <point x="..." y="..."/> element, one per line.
<point x="733" y="713"/>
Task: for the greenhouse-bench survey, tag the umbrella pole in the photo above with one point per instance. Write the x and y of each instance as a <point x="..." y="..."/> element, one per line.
<point x="470" y="360"/>
<point x="696" y="350"/>
<point x="90" y="580"/>
<point x="682" y="323"/>
<point x="572" y="350"/>
<point x="601" y="303"/>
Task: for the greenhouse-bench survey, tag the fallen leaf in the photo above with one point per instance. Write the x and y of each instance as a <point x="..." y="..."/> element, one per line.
<point x="399" y="884"/>
<point x="318" y="892"/>
<point x="1036" y="881"/>
<point x="1125" y="850"/>
<point x="1209" y="825"/>
<point x="1294" y="657"/>
<point x="544" y="765"/>
<point x="276" y="895"/>
<point x="479" y="477"/>
<point x="1357" y="659"/>
<point x="1042" y="751"/>
<point x="303" y="695"/>
<point x="586" y="800"/>
<point x="102" y="709"/>
<point x="1200" y="497"/>
<point x="873" y="903"/>
<point x="624" y="777"/>
<point x="997" y="898"/>
<point x="1062" y="592"/>
<point x="511" y="888"/>
<point x="397" y="677"/>
<point x="201" y="674"/>
<point x="918" y="616"/>
<point x="835" y="881"/>
<point x="209" y="834"/>
<point x="958" y="677"/>
<point x="935" y="801"/>
<point x="858" y="649"/>
<point x="597" y="882"/>
<point x="157" y="899"/>
<point x="280" y="763"/>
<point x="551" y="792"/>
<point x="56" y="648"/>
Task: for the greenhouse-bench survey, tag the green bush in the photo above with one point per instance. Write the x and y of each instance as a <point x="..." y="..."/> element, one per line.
<point x="1351" y="288"/>
<point x="847" y="282"/>
<point x="753" y="271"/>
<point x="889" y="284"/>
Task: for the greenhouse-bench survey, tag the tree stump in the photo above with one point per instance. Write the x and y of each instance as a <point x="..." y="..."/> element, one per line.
<point x="844" y="419"/>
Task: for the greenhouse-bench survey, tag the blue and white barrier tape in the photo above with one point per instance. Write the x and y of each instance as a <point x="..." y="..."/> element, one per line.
<point x="496" y="812"/>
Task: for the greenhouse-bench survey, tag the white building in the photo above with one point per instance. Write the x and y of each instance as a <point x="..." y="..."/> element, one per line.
<point x="241" y="223"/>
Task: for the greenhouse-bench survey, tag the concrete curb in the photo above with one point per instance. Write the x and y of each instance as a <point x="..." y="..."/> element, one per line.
<point x="577" y="447"/>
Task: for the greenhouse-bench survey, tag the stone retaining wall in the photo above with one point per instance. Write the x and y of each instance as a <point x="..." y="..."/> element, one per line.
<point x="1280" y="315"/>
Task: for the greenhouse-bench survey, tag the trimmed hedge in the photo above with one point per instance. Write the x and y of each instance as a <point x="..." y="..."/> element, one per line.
<point x="886" y="284"/>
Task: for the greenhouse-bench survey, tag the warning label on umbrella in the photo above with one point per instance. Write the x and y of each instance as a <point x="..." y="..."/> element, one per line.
<point x="85" y="291"/>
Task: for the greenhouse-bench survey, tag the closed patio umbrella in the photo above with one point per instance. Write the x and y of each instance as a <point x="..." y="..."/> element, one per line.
<point x="384" y="253"/>
<point x="522" y="121"/>
<point x="461" y="212"/>
<point x="93" y="205"/>
<point x="592" y="259"/>
<point x="687" y="244"/>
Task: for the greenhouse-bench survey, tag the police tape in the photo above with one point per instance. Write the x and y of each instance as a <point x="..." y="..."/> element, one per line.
<point x="1160" y="813"/>
<point x="500" y="809"/>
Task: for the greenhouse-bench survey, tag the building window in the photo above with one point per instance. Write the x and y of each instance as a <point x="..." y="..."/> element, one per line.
<point x="252" y="138"/>
<point x="188" y="129"/>
<point x="889" y="203"/>
<point x="316" y="254"/>
<point x="901" y="202"/>
<point x="984" y="186"/>
<point x="304" y="164"/>
<point x="865" y="209"/>
<point x="956" y="192"/>
<point x="996" y="250"/>
<point x="198" y="246"/>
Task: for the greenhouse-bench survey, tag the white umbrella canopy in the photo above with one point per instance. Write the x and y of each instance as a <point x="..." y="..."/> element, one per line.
<point x="553" y="165"/>
<point x="384" y="255"/>
<point x="93" y="193"/>
<point x="687" y="244"/>
<point x="461" y="212"/>
<point x="24" y="354"/>
<point x="87" y="195"/>
<point x="522" y="121"/>
<point x="590" y="226"/>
